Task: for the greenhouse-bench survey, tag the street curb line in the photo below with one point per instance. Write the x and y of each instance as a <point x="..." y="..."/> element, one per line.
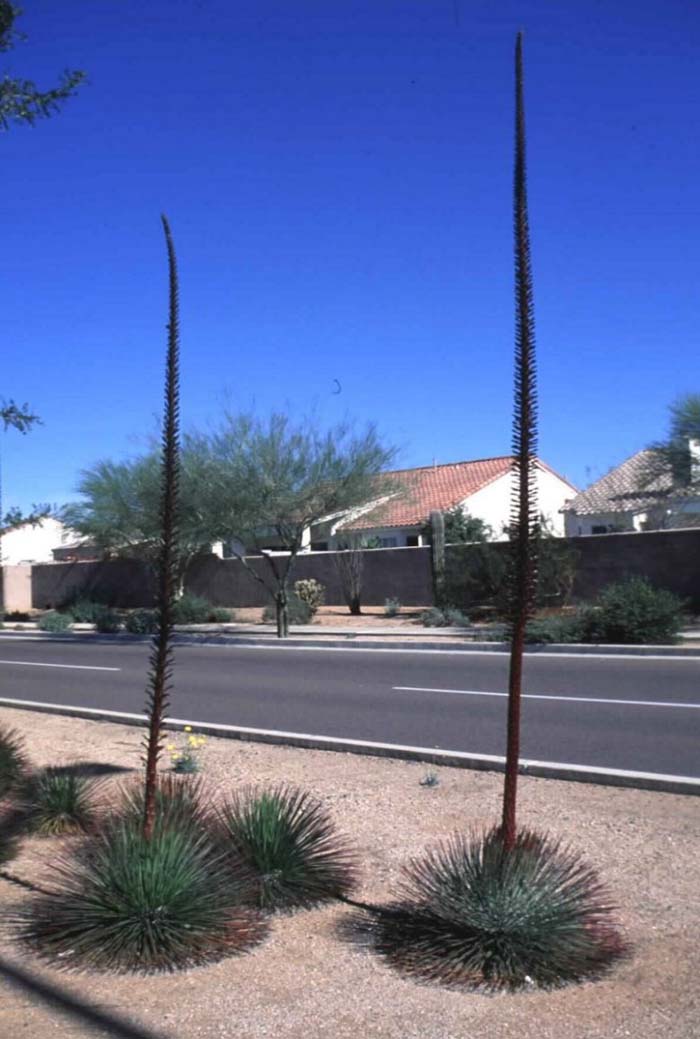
<point x="431" y="755"/>
<point x="351" y="642"/>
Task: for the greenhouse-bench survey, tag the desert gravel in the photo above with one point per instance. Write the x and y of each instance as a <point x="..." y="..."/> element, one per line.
<point x="304" y="982"/>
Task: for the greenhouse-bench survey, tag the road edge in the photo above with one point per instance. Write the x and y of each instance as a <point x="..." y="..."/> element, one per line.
<point x="430" y="755"/>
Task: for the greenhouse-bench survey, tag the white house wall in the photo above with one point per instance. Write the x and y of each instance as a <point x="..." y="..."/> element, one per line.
<point x="34" y="544"/>
<point x="492" y="503"/>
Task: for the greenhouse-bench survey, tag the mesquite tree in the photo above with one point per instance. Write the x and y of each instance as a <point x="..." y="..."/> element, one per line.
<point x="524" y="516"/>
<point x="162" y="651"/>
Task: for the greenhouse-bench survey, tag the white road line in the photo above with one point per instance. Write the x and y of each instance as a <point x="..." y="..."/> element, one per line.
<point x="541" y="696"/>
<point x="69" y="667"/>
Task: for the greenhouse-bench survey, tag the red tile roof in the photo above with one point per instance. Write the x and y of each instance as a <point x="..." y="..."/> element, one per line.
<point x="428" y="488"/>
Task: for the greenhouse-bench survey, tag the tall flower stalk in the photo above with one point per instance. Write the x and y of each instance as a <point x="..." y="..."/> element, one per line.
<point x="160" y="676"/>
<point x="524" y="517"/>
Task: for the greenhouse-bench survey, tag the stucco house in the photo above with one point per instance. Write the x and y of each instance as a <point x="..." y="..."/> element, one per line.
<point x="625" y="500"/>
<point x="481" y="487"/>
<point x="35" y="542"/>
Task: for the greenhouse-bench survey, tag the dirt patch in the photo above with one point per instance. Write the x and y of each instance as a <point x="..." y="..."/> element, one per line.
<point x="305" y="983"/>
<point x="340" y="617"/>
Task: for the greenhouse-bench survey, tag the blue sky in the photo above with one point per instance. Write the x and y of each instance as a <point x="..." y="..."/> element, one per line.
<point x="338" y="179"/>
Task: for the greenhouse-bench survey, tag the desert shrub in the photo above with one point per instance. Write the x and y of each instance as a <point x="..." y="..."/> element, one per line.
<point x="219" y="615"/>
<point x="13" y="761"/>
<point x="55" y="622"/>
<point x="634" y="611"/>
<point x="471" y="913"/>
<point x="84" y="610"/>
<point x="555" y="629"/>
<point x="107" y="621"/>
<point x="449" y="617"/>
<point x="18" y="616"/>
<point x="191" y="609"/>
<point x="311" y="592"/>
<point x="186" y="759"/>
<point x="299" y="611"/>
<point x="392" y="607"/>
<point x="180" y="800"/>
<point x="132" y="904"/>
<point x="290" y="846"/>
<point x="142" y="622"/>
<point x="60" y="801"/>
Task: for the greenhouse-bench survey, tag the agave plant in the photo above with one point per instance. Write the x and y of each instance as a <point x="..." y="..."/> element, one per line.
<point x="131" y="903"/>
<point x="61" y="801"/>
<point x="472" y="912"/>
<point x="179" y="801"/>
<point x="13" y="761"/>
<point x="290" y="845"/>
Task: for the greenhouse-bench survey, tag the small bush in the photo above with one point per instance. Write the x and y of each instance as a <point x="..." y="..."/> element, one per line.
<point x="449" y="617"/>
<point x="392" y="607"/>
<point x="191" y="609"/>
<point x="60" y="801"/>
<point x="289" y="844"/>
<point x="634" y="611"/>
<point x="55" y="622"/>
<point x="219" y="615"/>
<point x="85" y="611"/>
<point x="130" y="904"/>
<point x="142" y="622"/>
<point x="13" y="761"/>
<point x="107" y="621"/>
<point x="299" y="612"/>
<point x="471" y="913"/>
<point x="186" y="760"/>
<point x="555" y="629"/>
<point x="311" y="592"/>
<point x="18" y="616"/>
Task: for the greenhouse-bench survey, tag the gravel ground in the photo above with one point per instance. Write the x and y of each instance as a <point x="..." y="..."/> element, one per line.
<point x="304" y="982"/>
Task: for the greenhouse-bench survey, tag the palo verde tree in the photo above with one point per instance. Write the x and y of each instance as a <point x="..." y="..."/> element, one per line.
<point x="524" y="515"/>
<point x="277" y="479"/>
<point x="162" y="652"/>
<point x="21" y="101"/>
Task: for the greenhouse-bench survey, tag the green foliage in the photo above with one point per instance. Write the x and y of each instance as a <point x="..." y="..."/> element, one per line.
<point x="20" y="99"/>
<point x="191" y="609"/>
<point x="449" y="617"/>
<point x="671" y="457"/>
<point x="13" y="761"/>
<point x="473" y="914"/>
<point x="54" y="621"/>
<point x="180" y="801"/>
<point x="392" y="607"/>
<point x="299" y="612"/>
<point x="61" y="801"/>
<point x="84" y="611"/>
<point x="461" y="528"/>
<point x="142" y="622"/>
<point x="634" y="611"/>
<point x="17" y="416"/>
<point x="556" y="629"/>
<point x="220" y="615"/>
<point x="128" y="903"/>
<point x="311" y="592"/>
<point x="107" y="621"/>
<point x="288" y="842"/>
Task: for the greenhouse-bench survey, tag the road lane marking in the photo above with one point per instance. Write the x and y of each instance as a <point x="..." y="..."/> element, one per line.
<point x="542" y="696"/>
<point x="70" y="667"/>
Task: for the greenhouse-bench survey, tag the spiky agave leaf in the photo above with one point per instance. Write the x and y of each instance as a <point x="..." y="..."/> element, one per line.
<point x="131" y="903"/>
<point x="291" y="846"/>
<point x="13" y="761"/>
<point x="179" y="800"/>
<point x="61" y="801"/>
<point x="473" y="913"/>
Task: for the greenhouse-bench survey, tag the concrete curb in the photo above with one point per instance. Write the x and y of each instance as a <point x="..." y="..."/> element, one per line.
<point x="214" y="639"/>
<point x="430" y="755"/>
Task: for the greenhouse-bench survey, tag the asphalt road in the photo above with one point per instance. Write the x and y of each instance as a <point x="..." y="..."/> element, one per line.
<point x="634" y="713"/>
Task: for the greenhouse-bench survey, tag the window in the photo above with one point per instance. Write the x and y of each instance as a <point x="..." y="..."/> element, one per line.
<point x="319" y="546"/>
<point x="386" y="542"/>
<point x="598" y="529"/>
<point x="412" y="541"/>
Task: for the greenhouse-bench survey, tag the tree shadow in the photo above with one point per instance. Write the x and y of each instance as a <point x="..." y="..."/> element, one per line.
<point x="68" y="1004"/>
